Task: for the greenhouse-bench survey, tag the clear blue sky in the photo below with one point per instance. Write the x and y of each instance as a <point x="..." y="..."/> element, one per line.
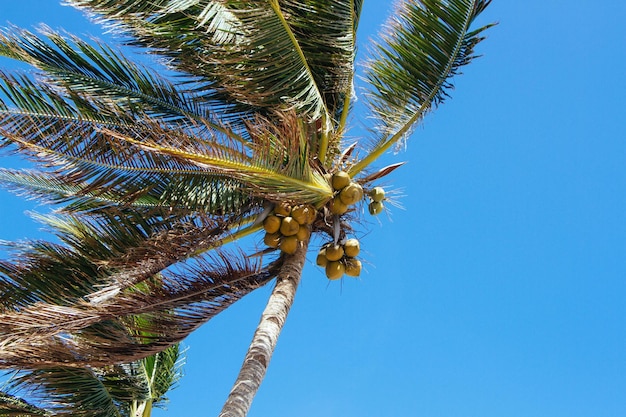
<point x="500" y="289"/>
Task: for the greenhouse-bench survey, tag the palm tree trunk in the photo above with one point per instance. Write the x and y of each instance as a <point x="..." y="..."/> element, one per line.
<point x="264" y="341"/>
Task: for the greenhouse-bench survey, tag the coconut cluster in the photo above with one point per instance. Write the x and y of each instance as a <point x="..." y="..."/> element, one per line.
<point x="340" y="259"/>
<point x="347" y="193"/>
<point x="376" y="195"/>
<point x="288" y="225"/>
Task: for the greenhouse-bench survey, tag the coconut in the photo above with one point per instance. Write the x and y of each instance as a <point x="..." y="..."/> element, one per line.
<point x="289" y="226"/>
<point x="351" y="194"/>
<point x="377" y="194"/>
<point x="321" y="258"/>
<point x="375" y="207"/>
<point x="303" y="214"/>
<point x="271" y="224"/>
<point x="334" y="252"/>
<point x="272" y="239"/>
<point x="351" y="248"/>
<point x="282" y="209"/>
<point x="337" y="206"/>
<point x="289" y="244"/>
<point x="335" y="270"/>
<point x="340" y="179"/>
<point x="304" y="232"/>
<point x="353" y="267"/>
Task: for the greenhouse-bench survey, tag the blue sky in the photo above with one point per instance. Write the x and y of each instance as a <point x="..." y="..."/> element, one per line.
<point x="499" y="289"/>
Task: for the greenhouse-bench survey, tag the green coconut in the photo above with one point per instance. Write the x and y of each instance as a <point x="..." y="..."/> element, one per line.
<point x="335" y="270"/>
<point x="304" y="232"/>
<point x="289" y="226"/>
<point x="375" y="208"/>
<point x="272" y="239"/>
<point x="334" y="252"/>
<point x="337" y="206"/>
<point x="271" y="224"/>
<point x="282" y="209"/>
<point x="304" y="214"/>
<point x="321" y="259"/>
<point x="340" y="180"/>
<point x="289" y="244"/>
<point x="352" y="248"/>
<point x="353" y="267"/>
<point x="351" y="194"/>
<point x="377" y="194"/>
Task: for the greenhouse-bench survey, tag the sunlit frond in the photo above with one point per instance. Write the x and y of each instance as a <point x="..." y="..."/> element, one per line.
<point x="426" y="43"/>
<point x="94" y="75"/>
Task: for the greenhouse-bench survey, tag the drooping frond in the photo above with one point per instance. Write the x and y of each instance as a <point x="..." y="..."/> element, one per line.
<point x="425" y="44"/>
<point x="113" y="250"/>
<point x="134" y="324"/>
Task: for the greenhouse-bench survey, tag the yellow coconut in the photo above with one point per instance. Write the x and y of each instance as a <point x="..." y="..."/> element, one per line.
<point x="351" y="194"/>
<point x="335" y="270"/>
<point x="282" y="209"/>
<point x="340" y="179"/>
<point x="321" y="258"/>
<point x="304" y="232"/>
<point x="272" y="239"/>
<point x="304" y="214"/>
<point x="271" y="224"/>
<point x="289" y="226"/>
<point x="377" y="194"/>
<point x="334" y="252"/>
<point x="351" y="248"/>
<point x="353" y="267"/>
<point x="375" y="208"/>
<point x="337" y="206"/>
<point x="289" y="244"/>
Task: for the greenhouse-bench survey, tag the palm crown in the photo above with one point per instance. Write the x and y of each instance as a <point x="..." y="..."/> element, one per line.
<point x="154" y="173"/>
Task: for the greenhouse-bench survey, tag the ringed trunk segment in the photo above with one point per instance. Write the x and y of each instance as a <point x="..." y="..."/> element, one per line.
<point x="265" y="338"/>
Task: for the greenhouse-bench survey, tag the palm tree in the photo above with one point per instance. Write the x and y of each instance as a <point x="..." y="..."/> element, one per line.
<point x="154" y="174"/>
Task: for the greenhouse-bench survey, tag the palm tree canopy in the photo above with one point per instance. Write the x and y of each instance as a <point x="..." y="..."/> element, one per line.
<point x="154" y="171"/>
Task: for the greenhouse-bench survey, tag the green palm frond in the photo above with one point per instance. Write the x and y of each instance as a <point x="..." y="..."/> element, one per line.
<point x="255" y="56"/>
<point x="116" y="390"/>
<point x="182" y="194"/>
<point x="163" y="370"/>
<point x="58" y="389"/>
<point x="95" y="74"/>
<point x="13" y="406"/>
<point x="149" y="153"/>
<point x="425" y="45"/>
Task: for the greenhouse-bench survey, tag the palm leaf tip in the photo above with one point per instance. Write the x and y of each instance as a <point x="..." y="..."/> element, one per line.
<point x="423" y="47"/>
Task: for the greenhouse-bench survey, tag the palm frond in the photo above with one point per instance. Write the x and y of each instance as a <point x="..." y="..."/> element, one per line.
<point x="112" y="250"/>
<point x="163" y="370"/>
<point x="182" y="194"/>
<point x="137" y="158"/>
<point x="13" y="406"/>
<point x="168" y="313"/>
<point x="94" y="74"/>
<point x="251" y="57"/>
<point x="426" y="43"/>
<point x="78" y="391"/>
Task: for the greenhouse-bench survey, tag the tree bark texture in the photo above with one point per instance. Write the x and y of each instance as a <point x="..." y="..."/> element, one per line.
<point x="264" y="340"/>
